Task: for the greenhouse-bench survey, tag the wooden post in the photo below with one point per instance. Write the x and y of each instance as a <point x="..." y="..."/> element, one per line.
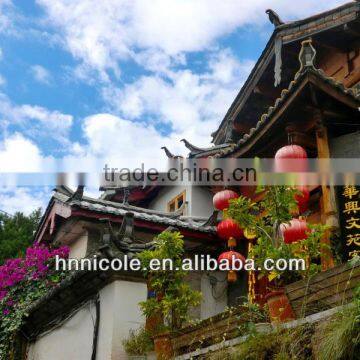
<point x="328" y="205"/>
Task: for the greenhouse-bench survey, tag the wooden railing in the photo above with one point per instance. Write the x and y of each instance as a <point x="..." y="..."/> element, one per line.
<point x="219" y="328"/>
<point x="325" y="290"/>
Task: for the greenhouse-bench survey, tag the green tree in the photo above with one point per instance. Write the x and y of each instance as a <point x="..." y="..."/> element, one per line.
<point x="174" y="296"/>
<point x="16" y="233"/>
<point x="264" y="219"/>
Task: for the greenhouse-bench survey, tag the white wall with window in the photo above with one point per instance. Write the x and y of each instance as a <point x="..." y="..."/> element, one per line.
<point x="170" y="199"/>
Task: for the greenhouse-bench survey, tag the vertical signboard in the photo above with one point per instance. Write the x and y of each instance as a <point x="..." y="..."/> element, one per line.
<point x="349" y="206"/>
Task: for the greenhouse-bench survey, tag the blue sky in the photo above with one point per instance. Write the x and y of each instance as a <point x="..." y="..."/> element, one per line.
<point x="117" y="79"/>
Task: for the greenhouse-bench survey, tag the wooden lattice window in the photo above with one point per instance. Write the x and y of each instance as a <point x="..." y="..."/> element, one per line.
<point x="176" y="203"/>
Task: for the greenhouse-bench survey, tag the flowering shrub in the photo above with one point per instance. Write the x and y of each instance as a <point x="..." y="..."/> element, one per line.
<point x="22" y="281"/>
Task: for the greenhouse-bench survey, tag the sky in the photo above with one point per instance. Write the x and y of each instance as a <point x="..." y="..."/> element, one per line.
<point x="117" y="79"/>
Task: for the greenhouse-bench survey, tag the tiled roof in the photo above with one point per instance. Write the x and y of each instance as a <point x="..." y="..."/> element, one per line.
<point x="294" y="31"/>
<point x="285" y="94"/>
<point x="212" y="150"/>
<point x="114" y="208"/>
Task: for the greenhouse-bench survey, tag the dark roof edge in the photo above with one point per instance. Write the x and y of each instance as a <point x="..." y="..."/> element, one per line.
<point x="256" y="69"/>
<point x="318" y="16"/>
<point x="284" y="94"/>
<point x="269" y="48"/>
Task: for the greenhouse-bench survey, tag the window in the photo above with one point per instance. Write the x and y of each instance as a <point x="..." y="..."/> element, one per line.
<point x="176" y="203"/>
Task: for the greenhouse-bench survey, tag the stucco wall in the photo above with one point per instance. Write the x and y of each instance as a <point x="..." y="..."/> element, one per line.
<point x="119" y="312"/>
<point x="73" y="340"/>
<point x="199" y="200"/>
<point x="346" y="145"/>
<point x="214" y="298"/>
<point x="79" y="246"/>
<point x="166" y="194"/>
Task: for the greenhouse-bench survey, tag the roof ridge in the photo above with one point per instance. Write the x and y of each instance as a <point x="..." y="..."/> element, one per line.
<point x="268" y="48"/>
<point x="139" y="213"/>
<point x="284" y="93"/>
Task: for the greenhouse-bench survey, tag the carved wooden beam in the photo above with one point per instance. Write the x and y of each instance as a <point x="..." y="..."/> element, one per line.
<point x="328" y="203"/>
<point x="351" y="30"/>
<point x="297" y="135"/>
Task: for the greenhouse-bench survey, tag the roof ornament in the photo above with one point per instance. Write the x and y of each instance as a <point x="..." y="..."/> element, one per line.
<point x="212" y="220"/>
<point x="126" y="232"/>
<point x="78" y="194"/>
<point x="191" y="147"/>
<point x="123" y="239"/>
<point x="63" y="189"/>
<point x="229" y="134"/>
<point x="278" y="60"/>
<point x="307" y="56"/>
<point x="169" y="154"/>
<point x="276" y="21"/>
<point x="126" y="196"/>
<point x="274" y="17"/>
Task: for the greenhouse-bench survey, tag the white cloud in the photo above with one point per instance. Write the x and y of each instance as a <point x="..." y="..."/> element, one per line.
<point x="101" y="33"/>
<point x="6" y="14"/>
<point x="23" y="199"/>
<point x="191" y="104"/>
<point x="120" y="142"/>
<point x="35" y="121"/>
<point x="18" y="154"/>
<point x="2" y="80"/>
<point x="41" y="74"/>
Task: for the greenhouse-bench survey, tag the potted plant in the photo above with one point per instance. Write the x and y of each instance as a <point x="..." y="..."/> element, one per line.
<point x="173" y="297"/>
<point x="269" y="220"/>
<point x="138" y="344"/>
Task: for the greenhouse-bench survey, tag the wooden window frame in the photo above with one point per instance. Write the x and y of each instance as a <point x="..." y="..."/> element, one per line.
<point x="174" y="201"/>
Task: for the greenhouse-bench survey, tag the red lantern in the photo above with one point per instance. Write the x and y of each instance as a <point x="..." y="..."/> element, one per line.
<point x="230" y="256"/>
<point x="228" y="228"/>
<point x="291" y="158"/>
<point x="222" y="198"/>
<point x="296" y="230"/>
<point x="302" y="198"/>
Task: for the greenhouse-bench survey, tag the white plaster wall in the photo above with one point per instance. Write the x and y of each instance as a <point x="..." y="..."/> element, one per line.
<point x="73" y="340"/>
<point x="79" y="246"/>
<point x="194" y="280"/>
<point x="201" y="203"/>
<point x="213" y="301"/>
<point x="166" y="194"/>
<point x="119" y="312"/>
<point x="199" y="200"/>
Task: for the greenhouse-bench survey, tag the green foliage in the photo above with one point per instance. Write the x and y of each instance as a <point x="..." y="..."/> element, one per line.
<point x="11" y="323"/>
<point x="16" y="233"/>
<point x="265" y="219"/>
<point x="294" y="344"/>
<point x="274" y="209"/>
<point x="251" y="315"/>
<point x="138" y="343"/>
<point x="22" y="282"/>
<point x="244" y="212"/>
<point x="341" y="335"/>
<point x="174" y="296"/>
<point x="278" y="203"/>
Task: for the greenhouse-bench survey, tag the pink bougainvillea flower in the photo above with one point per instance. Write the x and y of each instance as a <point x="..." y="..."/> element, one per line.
<point x="6" y="312"/>
<point x="33" y="267"/>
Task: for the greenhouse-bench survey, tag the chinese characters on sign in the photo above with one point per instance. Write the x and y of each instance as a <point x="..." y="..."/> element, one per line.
<point x="349" y="203"/>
